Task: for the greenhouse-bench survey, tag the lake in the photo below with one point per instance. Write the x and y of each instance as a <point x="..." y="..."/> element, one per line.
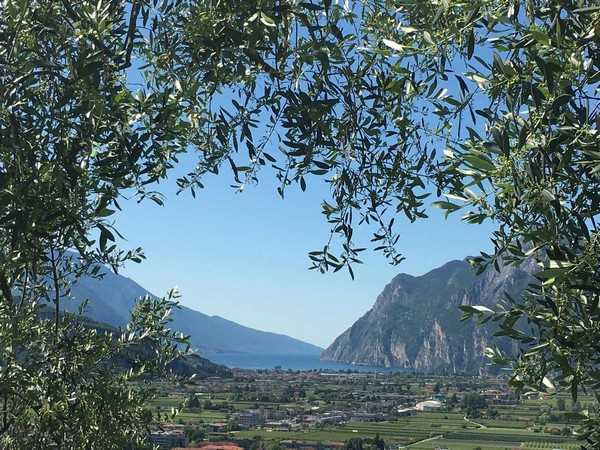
<point x="292" y="362"/>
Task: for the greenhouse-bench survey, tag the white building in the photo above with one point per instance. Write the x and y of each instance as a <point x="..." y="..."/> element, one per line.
<point x="429" y="405"/>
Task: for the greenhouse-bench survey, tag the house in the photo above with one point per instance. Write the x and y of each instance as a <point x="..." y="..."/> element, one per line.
<point x="217" y="427"/>
<point x="500" y="397"/>
<point x="169" y="438"/>
<point x="214" y="446"/>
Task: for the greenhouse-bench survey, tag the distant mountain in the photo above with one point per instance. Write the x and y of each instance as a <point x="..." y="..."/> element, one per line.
<point x="415" y="322"/>
<point x="186" y="366"/>
<point x="113" y="296"/>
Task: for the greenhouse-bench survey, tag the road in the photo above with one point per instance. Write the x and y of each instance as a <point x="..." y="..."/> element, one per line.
<point x="480" y="425"/>
<point x="426" y="440"/>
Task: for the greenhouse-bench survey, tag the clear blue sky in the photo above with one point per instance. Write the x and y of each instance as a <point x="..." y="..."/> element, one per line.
<point x="243" y="256"/>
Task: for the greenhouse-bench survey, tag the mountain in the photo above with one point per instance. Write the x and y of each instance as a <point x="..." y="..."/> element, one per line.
<point x="113" y="296"/>
<point x="415" y="322"/>
<point x="186" y="366"/>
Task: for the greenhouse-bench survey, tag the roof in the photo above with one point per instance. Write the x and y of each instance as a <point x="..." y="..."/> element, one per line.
<point x="430" y="404"/>
<point x="220" y="447"/>
<point x="401" y="410"/>
<point x="214" y="446"/>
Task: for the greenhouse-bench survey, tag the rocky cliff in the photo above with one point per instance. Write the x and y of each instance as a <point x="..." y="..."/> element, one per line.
<point x="415" y="322"/>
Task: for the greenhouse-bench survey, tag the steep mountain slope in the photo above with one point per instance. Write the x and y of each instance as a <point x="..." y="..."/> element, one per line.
<point x="112" y="297"/>
<point x="415" y="322"/>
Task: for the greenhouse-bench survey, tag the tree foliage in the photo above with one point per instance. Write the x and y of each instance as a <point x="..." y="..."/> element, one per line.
<point x="485" y="107"/>
<point x="472" y="403"/>
<point x="70" y="144"/>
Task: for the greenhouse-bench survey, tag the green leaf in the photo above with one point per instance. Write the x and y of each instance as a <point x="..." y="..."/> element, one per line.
<point x="540" y="36"/>
<point x="548" y="384"/>
<point x="477" y="78"/>
<point x="428" y="38"/>
<point x="408" y="30"/>
<point x="479" y="162"/>
<point x="470" y="43"/>
<point x="266" y="20"/>
<point x="105" y="236"/>
<point x="393" y="45"/>
<point x="311" y="6"/>
<point x="446" y="206"/>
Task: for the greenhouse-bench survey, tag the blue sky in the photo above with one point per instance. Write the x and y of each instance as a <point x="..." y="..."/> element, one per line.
<point x="243" y="256"/>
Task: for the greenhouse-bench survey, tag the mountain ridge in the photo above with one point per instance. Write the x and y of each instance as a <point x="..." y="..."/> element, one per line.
<point x="415" y="320"/>
<point x="113" y="296"/>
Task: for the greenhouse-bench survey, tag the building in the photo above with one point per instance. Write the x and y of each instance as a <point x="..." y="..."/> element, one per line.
<point x="248" y="419"/>
<point x="331" y="419"/>
<point x="168" y="439"/>
<point x="429" y="405"/>
<point x="368" y="417"/>
<point x="214" y="446"/>
<point x="282" y="425"/>
<point x="405" y="412"/>
<point x="500" y="397"/>
<point x="273" y="413"/>
<point x="217" y="427"/>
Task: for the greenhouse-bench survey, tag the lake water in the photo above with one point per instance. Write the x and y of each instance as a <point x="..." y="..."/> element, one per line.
<point x="292" y="362"/>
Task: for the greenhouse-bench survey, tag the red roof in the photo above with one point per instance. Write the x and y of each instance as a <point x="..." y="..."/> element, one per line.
<point x="214" y="446"/>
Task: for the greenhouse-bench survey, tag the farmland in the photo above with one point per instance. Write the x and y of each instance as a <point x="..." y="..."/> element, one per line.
<point x="274" y="409"/>
<point x="452" y="428"/>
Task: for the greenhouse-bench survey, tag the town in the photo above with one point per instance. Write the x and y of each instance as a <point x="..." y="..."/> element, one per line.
<point x="315" y="410"/>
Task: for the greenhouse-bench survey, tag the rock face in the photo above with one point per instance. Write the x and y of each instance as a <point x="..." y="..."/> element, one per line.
<point x="415" y="322"/>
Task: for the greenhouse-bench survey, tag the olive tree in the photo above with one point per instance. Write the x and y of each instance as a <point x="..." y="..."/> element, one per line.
<point x="486" y="107"/>
<point x="491" y="106"/>
<point x="73" y="138"/>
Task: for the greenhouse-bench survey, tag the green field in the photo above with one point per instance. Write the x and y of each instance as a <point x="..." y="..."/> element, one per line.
<point x="515" y="426"/>
<point x="455" y="432"/>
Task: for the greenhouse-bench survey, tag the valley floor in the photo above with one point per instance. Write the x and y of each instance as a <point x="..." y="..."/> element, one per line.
<point x="322" y="411"/>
